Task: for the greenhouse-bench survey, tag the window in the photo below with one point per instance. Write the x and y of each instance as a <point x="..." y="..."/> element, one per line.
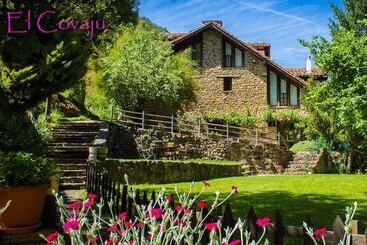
<point x="238" y="58"/>
<point x="227" y="84"/>
<point x="228" y="55"/>
<point x="293" y="95"/>
<point x="232" y="56"/>
<point x="281" y="92"/>
<point x="273" y="89"/>
<point x="196" y="53"/>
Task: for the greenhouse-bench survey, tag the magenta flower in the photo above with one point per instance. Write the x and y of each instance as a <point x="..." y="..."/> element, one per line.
<point x="112" y="227"/>
<point x="234" y="242"/>
<point x="94" y="239"/>
<point x="202" y="204"/>
<point x="50" y="238"/>
<point x="155" y="212"/>
<point x="138" y="225"/>
<point x="88" y="203"/>
<point x="262" y="222"/>
<point x="128" y="224"/>
<point x="74" y="206"/>
<point x="320" y="232"/>
<point x="211" y="226"/>
<point x="234" y="189"/>
<point x="170" y="198"/>
<point x="123" y="215"/>
<point x="92" y="196"/>
<point x="71" y="224"/>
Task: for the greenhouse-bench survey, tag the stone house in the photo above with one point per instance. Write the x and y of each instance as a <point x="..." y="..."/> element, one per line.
<point x="237" y="75"/>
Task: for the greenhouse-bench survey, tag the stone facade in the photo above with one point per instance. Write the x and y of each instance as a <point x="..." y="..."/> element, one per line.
<point x="249" y="84"/>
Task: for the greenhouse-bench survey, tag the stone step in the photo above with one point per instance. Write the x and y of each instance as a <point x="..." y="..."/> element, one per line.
<point x="68" y="144"/>
<point x="71" y="161"/>
<point x="72" y="186"/>
<point x="73" y="139"/>
<point x="74" y="134"/>
<point x="74" y="172"/>
<point x="64" y="167"/>
<point x="63" y="149"/>
<point x="68" y="155"/>
<point x="72" y="179"/>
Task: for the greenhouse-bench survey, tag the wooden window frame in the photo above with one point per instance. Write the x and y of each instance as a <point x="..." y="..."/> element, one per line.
<point x="233" y="55"/>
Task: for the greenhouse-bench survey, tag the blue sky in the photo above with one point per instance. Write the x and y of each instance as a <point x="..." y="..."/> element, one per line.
<point x="280" y="22"/>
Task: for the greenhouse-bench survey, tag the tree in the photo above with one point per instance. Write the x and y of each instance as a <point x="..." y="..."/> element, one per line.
<point x="142" y="72"/>
<point x="36" y="65"/>
<point x="338" y="107"/>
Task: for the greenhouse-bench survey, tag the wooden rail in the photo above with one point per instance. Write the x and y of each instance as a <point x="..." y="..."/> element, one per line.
<point x="169" y="124"/>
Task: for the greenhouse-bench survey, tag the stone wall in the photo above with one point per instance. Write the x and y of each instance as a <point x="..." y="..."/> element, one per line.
<point x="258" y="159"/>
<point x="249" y="84"/>
<point x="161" y="171"/>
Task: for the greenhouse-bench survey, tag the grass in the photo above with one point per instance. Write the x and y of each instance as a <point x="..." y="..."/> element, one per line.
<point x="321" y="196"/>
<point x="306" y="145"/>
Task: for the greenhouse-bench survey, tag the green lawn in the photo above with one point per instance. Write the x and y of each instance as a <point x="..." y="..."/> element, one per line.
<point x="322" y="196"/>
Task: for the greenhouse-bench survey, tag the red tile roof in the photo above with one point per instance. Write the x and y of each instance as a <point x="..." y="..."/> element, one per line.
<point x="174" y="36"/>
<point x="302" y="73"/>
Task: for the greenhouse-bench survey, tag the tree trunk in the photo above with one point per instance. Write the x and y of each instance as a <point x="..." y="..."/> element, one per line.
<point x="350" y="159"/>
<point x="48" y="108"/>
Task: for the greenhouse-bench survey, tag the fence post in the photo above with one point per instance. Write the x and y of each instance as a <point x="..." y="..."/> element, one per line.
<point x="338" y="230"/>
<point x="278" y="228"/>
<point x="257" y="136"/>
<point x="172" y="124"/>
<point x="251" y="222"/>
<point x="143" y="120"/>
<point x="227" y="131"/>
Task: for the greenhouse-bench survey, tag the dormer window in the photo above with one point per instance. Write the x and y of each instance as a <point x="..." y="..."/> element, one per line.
<point x="232" y="56"/>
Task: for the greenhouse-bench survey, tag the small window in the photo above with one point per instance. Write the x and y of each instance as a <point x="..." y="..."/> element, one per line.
<point x="228" y="55"/>
<point x="283" y="93"/>
<point x="293" y="95"/>
<point x="273" y="89"/>
<point x="227" y="84"/>
<point x="239" y="58"/>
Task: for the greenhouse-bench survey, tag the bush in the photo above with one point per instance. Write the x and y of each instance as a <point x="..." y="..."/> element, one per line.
<point x="232" y="117"/>
<point x="24" y="169"/>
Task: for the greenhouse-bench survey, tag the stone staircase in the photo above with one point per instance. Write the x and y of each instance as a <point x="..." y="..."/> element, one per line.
<point x="70" y="149"/>
<point x="303" y="163"/>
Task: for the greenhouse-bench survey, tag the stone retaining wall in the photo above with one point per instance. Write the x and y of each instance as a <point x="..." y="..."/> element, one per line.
<point x="161" y="171"/>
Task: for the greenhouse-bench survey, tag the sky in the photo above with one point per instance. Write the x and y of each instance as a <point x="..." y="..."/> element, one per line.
<point x="281" y="22"/>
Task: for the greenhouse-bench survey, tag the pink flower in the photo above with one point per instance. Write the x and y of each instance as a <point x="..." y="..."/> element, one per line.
<point x="181" y="222"/>
<point x="206" y="183"/>
<point x="74" y="206"/>
<point x="179" y="208"/>
<point x="202" y="204"/>
<point x="211" y="226"/>
<point x="109" y="242"/>
<point x="122" y="232"/>
<point x="88" y="203"/>
<point x="170" y="198"/>
<point x="138" y="225"/>
<point x="94" y="239"/>
<point x="262" y="222"/>
<point x="234" y="189"/>
<point x="50" y="238"/>
<point x="149" y="236"/>
<point x="112" y="227"/>
<point x="155" y="212"/>
<point x="234" y="242"/>
<point x="320" y="232"/>
<point x="123" y="215"/>
<point x="92" y="196"/>
<point x="128" y="224"/>
<point x="71" y="224"/>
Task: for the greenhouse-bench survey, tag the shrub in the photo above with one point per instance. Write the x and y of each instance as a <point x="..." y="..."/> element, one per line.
<point x="306" y="145"/>
<point x="24" y="169"/>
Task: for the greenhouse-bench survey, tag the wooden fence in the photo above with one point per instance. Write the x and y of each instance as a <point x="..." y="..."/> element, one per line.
<point x="99" y="182"/>
<point x="170" y="124"/>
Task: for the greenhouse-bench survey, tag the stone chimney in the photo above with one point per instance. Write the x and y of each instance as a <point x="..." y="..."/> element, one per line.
<point x="215" y="22"/>
<point x="308" y="64"/>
